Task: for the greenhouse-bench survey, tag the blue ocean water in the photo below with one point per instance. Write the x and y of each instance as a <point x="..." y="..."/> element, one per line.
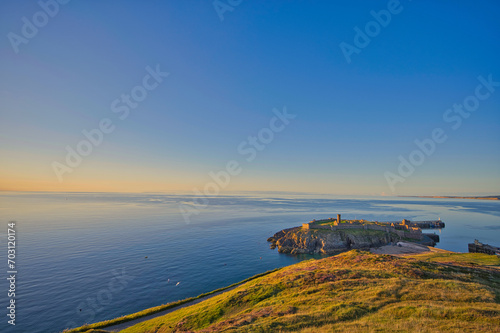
<point x="81" y="257"/>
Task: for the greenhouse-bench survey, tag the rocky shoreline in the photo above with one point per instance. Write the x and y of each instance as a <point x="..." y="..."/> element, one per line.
<point x="317" y="241"/>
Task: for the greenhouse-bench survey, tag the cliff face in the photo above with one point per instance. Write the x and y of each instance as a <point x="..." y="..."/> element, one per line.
<point x="311" y="241"/>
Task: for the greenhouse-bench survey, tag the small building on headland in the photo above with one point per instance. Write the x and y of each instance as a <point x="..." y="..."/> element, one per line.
<point x="478" y="247"/>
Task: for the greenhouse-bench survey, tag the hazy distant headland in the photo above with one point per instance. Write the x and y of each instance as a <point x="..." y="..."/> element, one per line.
<point x="493" y="197"/>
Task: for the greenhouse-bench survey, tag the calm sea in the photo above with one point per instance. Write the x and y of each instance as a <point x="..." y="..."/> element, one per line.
<point x="81" y="257"/>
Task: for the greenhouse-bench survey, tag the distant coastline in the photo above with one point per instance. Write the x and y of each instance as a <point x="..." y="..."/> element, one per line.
<point x="451" y="197"/>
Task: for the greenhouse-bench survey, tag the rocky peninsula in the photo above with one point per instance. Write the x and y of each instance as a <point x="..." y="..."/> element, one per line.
<point x="332" y="236"/>
<point x="318" y="241"/>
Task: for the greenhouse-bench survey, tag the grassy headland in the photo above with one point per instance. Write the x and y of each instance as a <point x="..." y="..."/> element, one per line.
<point x="354" y="291"/>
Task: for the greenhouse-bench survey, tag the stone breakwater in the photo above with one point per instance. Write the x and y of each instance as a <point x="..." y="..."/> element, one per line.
<point x="318" y="241"/>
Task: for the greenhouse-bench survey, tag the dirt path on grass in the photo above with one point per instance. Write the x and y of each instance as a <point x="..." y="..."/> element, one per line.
<point x="406" y="248"/>
<point x="122" y="326"/>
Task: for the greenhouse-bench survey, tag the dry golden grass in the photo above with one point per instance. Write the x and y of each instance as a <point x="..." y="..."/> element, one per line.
<point x="354" y="292"/>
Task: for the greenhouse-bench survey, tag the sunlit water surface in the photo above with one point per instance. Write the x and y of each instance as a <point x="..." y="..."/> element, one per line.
<point x="82" y="257"/>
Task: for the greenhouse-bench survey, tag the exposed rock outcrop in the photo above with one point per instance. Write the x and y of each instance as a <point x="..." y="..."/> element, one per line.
<point x="311" y="241"/>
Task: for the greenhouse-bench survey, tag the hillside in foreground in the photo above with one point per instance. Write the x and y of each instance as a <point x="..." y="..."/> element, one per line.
<point x="354" y="292"/>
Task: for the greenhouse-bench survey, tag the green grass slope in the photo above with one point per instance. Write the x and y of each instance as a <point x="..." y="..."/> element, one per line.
<point x="353" y="292"/>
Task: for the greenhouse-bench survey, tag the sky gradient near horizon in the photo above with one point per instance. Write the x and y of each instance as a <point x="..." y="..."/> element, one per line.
<point x="353" y="119"/>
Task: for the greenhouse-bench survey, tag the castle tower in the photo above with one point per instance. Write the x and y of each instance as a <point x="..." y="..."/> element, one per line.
<point x="338" y="218"/>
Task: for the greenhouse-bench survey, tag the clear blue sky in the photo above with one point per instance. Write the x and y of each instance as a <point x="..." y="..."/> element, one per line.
<point x="353" y="119"/>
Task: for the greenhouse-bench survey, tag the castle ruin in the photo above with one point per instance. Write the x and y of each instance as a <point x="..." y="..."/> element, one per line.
<point x="404" y="229"/>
